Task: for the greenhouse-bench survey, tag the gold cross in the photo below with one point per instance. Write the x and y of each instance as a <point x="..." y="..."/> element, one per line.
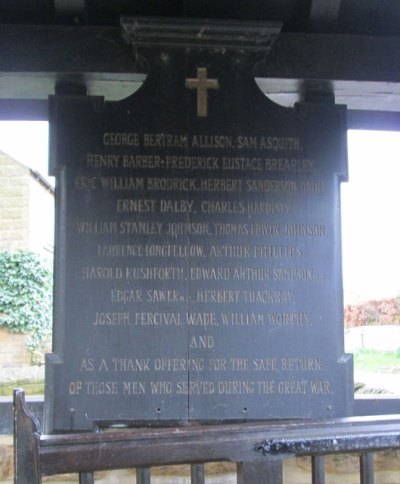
<point x="202" y="84"/>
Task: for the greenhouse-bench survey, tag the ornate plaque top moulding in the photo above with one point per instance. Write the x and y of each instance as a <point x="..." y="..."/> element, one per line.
<point x="163" y="46"/>
<point x="201" y="33"/>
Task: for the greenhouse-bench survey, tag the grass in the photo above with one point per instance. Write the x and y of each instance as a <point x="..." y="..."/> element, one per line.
<point x="31" y="388"/>
<point x="373" y="360"/>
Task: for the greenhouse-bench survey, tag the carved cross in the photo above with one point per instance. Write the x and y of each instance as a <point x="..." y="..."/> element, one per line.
<point x="202" y="84"/>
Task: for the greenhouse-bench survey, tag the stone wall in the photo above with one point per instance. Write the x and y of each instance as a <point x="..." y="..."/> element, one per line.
<point x="27" y="223"/>
<point x="379" y="338"/>
<point x="26" y="209"/>
<point x="14" y="204"/>
<point x="41" y="218"/>
<point x="13" y="350"/>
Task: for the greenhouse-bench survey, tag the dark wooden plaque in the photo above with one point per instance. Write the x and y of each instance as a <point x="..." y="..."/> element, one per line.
<point x="198" y="257"/>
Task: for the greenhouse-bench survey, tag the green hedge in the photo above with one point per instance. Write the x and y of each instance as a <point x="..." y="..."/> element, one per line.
<point x="26" y="296"/>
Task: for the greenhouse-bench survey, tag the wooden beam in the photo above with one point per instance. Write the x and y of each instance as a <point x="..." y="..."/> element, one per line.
<point x="23" y="110"/>
<point x="102" y="51"/>
<point x="333" y="57"/>
<point x="383" y="121"/>
<point x="87" y="452"/>
<point x="324" y="15"/>
<point x="357" y="95"/>
<point x="33" y="59"/>
<point x="64" y="49"/>
<point x="362" y="71"/>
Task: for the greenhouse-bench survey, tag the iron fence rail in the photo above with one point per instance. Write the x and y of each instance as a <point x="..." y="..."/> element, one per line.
<point x="257" y="448"/>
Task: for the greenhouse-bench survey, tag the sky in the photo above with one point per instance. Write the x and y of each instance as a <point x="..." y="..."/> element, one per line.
<point x="371" y="216"/>
<point x="370" y="204"/>
<point x="27" y="142"/>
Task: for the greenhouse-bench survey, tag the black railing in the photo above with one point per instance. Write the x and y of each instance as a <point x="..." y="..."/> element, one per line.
<point x="257" y="448"/>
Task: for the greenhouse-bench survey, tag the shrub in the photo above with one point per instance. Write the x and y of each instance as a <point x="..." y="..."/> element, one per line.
<point x="376" y="312"/>
<point x="26" y="296"/>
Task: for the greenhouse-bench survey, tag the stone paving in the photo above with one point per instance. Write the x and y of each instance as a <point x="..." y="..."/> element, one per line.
<point x="388" y="381"/>
<point x="21" y="373"/>
<point x="380" y="338"/>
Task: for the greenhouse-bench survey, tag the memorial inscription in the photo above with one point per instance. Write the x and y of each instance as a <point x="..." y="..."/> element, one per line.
<point x="198" y="256"/>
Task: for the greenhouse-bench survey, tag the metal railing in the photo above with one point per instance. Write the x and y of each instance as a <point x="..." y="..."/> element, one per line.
<point x="257" y="448"/>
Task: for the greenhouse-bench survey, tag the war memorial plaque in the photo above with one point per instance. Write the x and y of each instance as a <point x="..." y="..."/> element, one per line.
<point x="198" y="260"/>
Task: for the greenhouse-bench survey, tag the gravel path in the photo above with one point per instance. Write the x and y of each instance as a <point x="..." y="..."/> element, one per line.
<point x="387" y="381"/>
<point x="24" y="373"/>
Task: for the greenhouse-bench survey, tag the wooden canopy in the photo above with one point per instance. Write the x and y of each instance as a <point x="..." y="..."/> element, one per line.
<point x="346" y="50"/>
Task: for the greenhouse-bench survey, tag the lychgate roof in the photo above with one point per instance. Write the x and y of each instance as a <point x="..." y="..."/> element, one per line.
<point x="343" y="49"/>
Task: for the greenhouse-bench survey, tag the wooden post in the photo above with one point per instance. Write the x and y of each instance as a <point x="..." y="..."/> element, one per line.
<point x="318" y="469"/>
<point x="197" y="474"/>
<point x="86" y="478"/>
<point x="26" y="443"/>
<point x="367" y="468"/>
<point x="143" y="475"/>
<point x="269" y="472"/>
